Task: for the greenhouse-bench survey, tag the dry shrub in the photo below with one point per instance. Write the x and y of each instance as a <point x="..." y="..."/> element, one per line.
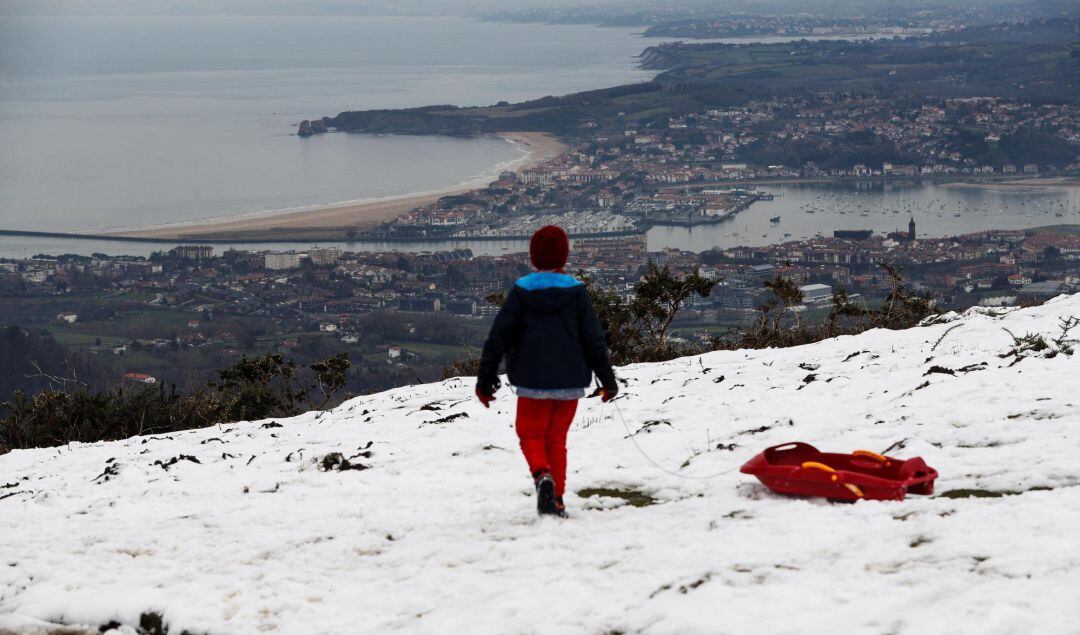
<point x="255" y="388"/>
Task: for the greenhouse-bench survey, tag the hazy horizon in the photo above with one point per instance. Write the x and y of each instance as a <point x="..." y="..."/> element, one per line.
<point x="271" y="7"/>
<point x="451" y="7"/>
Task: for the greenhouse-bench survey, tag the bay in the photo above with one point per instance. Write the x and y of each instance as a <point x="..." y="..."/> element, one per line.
<point x="121" y="122"/>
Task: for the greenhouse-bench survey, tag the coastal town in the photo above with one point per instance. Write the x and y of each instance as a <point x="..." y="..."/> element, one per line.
<point x="406" y="315"/>
<point x="705" y="167"/>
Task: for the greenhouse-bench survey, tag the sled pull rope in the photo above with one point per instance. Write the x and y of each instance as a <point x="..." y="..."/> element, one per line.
<point x="648" y="458"/>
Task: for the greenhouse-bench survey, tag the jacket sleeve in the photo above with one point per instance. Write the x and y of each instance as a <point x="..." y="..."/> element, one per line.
<point x="504" y="335"/>
<point x="594" y="342"/>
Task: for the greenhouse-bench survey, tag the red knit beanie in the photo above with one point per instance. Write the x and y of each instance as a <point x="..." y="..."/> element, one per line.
<point x="549" y="248"/>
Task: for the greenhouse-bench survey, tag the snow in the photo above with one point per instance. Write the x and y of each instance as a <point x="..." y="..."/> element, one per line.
<point x="440" y="534"/>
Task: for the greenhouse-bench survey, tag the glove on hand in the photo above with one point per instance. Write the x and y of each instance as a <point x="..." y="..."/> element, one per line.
<point x="484" y="399"/>
<point x="485" y="391"/>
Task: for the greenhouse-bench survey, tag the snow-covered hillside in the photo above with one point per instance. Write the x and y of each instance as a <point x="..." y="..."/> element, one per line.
<point x="239" y="529"/>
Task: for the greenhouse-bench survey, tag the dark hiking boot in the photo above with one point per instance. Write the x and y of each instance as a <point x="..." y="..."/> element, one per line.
<point x="545" y="494"/>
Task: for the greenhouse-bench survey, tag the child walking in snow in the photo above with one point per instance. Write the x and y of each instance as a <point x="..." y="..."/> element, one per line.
<point x="553" y="343"/>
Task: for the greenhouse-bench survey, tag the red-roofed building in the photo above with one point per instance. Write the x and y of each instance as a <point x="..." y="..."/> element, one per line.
<point x="140" y="378"/>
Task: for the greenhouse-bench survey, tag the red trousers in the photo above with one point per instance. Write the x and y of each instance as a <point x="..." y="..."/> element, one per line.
<point x="542" y="425"/>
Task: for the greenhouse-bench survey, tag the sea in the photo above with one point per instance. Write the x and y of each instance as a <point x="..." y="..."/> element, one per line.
<point x="114" y="122"/>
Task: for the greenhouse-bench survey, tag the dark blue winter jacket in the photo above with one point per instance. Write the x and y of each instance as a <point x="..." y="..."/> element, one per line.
<point x="550" y="335"/>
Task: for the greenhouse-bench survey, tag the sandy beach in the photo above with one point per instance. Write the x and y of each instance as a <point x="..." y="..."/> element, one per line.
<point x="309" y="223"/>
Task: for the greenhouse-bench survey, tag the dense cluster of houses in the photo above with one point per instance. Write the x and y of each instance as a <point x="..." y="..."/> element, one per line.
<point x="609" y="180"/>
<point x="326" y="285"/>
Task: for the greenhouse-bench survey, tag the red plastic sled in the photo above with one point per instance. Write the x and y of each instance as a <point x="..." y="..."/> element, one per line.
<point x="799" y="469"/>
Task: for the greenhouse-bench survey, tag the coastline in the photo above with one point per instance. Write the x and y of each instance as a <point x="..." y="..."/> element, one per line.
<point x="1020" y="182"/>
<point x="951" y="182"/>
<point x="335" y="223"/>
<point x="317" y="221"/>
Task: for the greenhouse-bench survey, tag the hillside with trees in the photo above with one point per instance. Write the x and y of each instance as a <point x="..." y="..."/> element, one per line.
<point x="1035" y="61"/>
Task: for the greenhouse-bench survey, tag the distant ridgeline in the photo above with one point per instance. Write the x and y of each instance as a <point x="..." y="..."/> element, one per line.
<point x="1038" y="60"/>
<point x="1034" y="60"/>
<point x="558" y="115"/>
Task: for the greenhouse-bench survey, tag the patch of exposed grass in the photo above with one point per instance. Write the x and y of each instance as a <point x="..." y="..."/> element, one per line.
<point x="634" y="498"/>
<point x="985" y="493"/>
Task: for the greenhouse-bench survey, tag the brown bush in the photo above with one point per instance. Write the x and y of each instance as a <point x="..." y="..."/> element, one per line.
<point x="255" y="388"/>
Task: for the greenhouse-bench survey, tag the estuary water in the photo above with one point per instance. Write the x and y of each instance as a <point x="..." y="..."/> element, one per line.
<point x="798" y="211"/>
<point x="807" y="210"/>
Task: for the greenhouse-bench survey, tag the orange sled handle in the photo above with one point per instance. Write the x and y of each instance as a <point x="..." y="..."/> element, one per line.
<point x="871" y="455"/>
<point x="814" y="465"/>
